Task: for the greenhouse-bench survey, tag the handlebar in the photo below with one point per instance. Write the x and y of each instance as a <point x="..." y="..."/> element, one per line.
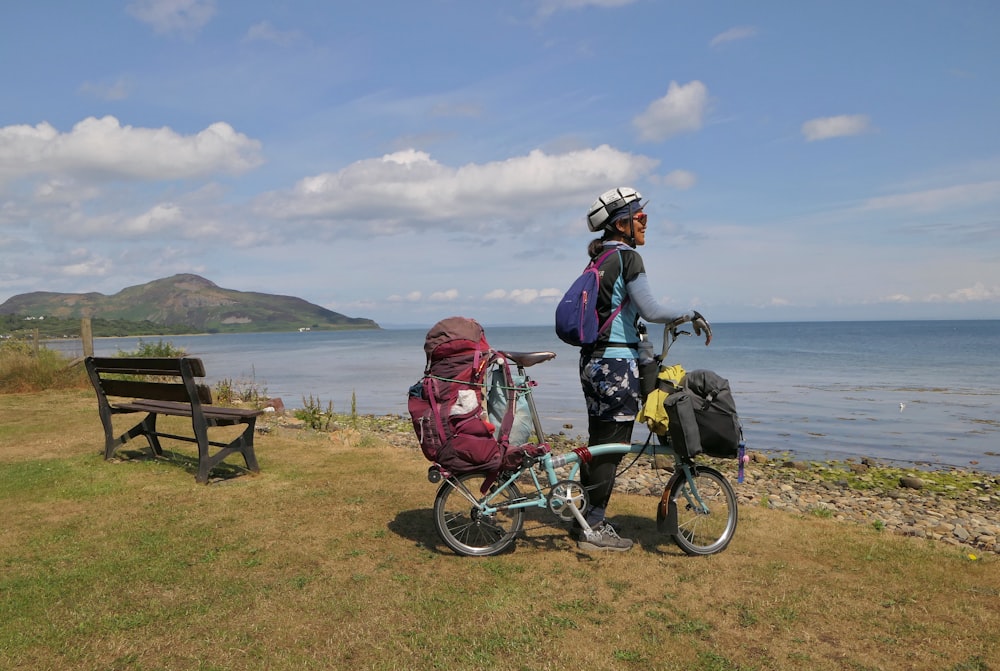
<point x="671" y="332"/>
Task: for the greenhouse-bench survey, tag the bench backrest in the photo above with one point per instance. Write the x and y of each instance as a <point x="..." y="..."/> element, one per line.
<point x="185" y="368"/>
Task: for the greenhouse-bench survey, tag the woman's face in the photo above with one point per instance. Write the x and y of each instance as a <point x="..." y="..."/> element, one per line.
<point x="637" y="229"/>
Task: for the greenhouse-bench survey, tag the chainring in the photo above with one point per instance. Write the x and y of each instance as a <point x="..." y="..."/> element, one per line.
<point x="565" y="496"/>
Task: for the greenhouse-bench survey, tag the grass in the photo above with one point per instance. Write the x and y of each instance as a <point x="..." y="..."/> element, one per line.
<point x="328" y="559"/>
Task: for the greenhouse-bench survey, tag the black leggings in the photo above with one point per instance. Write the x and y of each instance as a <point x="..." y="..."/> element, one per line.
<point x="598" y="477"/>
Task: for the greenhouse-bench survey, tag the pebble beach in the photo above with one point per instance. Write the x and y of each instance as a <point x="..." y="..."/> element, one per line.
<point x="956" y="507"/>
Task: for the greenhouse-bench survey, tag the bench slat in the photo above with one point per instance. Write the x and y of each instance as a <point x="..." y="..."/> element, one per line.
<point x="138" y="365"/>
<point x="166" y="407"/>
<point x="159" y="391"/>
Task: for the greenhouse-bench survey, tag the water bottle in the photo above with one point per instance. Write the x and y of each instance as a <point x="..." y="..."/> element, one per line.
<point x="646" y="355"/>
<point x="648" y="366"/>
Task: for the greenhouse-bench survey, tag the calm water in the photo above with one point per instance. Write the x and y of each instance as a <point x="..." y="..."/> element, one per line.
<point x="815" y="390"/>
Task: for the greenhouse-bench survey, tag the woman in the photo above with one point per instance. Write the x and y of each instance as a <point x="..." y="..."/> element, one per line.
<point x="609" y="371"/>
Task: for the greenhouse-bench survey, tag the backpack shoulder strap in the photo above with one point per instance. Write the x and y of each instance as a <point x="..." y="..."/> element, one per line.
<point x="596" y="263"/>
<point x="617" y="310"/>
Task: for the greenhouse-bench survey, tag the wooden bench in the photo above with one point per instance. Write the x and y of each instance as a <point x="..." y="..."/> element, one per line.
<point x="167" y="386"/>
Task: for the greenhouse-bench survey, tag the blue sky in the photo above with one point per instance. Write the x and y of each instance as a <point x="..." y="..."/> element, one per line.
<point x="407" y="161"/>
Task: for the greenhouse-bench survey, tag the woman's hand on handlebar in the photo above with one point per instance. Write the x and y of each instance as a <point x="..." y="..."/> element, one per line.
<point x="672" y="330"/>
<point x="700" y="324"/>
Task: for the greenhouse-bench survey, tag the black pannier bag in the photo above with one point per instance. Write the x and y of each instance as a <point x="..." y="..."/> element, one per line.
<point x="715" y="411"/>
<point x="703" y="416"/>
<point x="685" y="436"/>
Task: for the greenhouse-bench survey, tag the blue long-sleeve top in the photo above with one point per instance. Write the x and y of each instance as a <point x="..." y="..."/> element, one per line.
<point x="624" y="275"/>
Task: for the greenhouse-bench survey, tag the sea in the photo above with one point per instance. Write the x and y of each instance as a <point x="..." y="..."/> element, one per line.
<point x="922" y="393"/>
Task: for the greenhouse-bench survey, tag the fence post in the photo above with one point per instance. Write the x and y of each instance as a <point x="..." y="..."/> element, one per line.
<point x="87" y="337"/>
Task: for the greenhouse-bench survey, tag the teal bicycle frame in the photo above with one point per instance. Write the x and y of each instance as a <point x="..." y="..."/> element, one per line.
<point x="549" y="463"/>
<point x="481" y="514"/>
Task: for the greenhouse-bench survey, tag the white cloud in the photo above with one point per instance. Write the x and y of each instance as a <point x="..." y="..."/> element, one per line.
<point x="82" y="262"/>
<point x="937" y="199"/>
<point x="682" y="180"/>
<point x="457" y="110"/>
<point x="103" y="147"/>
<point x="64" y="191"/>
<point x="444" y="296"/>
<point x="159" y="218"/>
<point x="835" y="126"/>
<point x="410" y="190"/>
<point x="523" y="296"/>
<point x="681" y="110"/>
<point x="411" y="297"/>
<point x="265" y="32"/>
<point x="116" y="90"/>
<point x="173" y="16"/>
<point x="977" y="292"/>
<point x="548" y="7"/>
<point x="733" y="34"/>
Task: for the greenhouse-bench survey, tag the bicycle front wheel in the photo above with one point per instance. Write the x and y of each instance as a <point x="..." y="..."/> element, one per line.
<point x="462" y="520"/>
<point x="705" y="510"/>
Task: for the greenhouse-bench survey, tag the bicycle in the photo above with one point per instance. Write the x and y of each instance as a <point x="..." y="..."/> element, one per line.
<point x="481" y="514"/>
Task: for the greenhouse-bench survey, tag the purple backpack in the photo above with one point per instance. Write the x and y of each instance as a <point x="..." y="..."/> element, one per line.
<point x="577" y="322"/>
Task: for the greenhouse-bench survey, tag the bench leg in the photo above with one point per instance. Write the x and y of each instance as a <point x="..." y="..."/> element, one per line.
<point x="242" y="444"/>
<point x="205" y="461"/>
<point x="246" y="446"/>
<point x="147" y="428"/>
<point x="149" y="424"/>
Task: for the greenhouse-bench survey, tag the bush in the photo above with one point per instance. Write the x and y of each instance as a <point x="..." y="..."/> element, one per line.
<point x="160" y="349"/>
<point x="25" y="369"/>
<point x="232" y="392"/>
<point x="313" y="415"/>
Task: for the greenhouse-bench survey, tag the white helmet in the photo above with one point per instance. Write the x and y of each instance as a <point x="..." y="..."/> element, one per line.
<point x="611" y="200"/>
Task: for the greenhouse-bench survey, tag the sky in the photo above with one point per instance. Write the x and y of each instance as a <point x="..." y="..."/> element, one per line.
<point x="409" y="160"/>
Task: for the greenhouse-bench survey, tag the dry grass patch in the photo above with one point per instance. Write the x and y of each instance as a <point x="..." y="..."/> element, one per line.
<point x="329" y="560"/>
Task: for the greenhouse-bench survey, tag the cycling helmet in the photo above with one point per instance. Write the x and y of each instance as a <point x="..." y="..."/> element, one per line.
<point x="609" y="202"/>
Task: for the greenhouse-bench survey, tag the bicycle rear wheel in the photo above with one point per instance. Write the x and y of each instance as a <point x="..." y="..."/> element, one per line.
<point x="705" y="512"/>
<point x="462" y="524"/>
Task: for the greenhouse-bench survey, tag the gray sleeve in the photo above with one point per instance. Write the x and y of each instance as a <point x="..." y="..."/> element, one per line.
<point x="651" y="309"/>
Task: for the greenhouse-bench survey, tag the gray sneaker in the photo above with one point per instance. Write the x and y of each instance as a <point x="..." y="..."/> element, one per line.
<point x="576" y="531"/>
<point x="604" y="537"/>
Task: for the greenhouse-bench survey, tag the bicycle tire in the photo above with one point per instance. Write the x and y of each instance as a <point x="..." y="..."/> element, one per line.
<point x="702" y="532"/>
<point x="462" y="526"/>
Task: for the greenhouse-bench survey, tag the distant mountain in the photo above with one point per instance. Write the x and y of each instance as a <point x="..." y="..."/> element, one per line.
<point x="188" y="302"/>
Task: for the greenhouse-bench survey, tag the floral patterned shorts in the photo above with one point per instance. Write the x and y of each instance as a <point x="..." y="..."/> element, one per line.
<point x="611" y="388"/>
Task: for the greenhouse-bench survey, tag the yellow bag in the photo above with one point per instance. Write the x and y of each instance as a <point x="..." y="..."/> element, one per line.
<point x="652" y="412"/>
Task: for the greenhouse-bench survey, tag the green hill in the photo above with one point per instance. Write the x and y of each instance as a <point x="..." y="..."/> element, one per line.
<point x="185" y="303"/>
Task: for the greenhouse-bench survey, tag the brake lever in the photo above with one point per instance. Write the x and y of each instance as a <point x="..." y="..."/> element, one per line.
<point x="670" y="334"/>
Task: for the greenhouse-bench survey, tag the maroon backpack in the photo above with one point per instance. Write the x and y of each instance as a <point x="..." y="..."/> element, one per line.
<point x="446" y="405"/>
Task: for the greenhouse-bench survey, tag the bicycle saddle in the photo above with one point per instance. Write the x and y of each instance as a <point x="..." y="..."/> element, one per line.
<point x="528" y="358"/>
